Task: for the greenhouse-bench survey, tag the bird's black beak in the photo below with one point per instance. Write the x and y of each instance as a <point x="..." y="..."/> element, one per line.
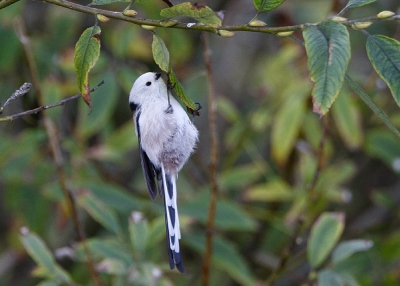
<point x="158" y="75"/>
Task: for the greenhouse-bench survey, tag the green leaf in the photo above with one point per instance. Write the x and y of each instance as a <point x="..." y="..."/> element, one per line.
<point x="384" y="54"/>
<point x="138" y="231"/>
<point x="349" y="279"/>
<point x="348" y="120"/>
<point x="325" y="233"/>
<point x="286" y="125"/>
<point x="157" y="231"/>
<point x="229" y="216"/>
<point x="333" y="176"/>
<point x="9" y="49"/>
<point x="225" y="257"/>
<point x="105" y="2"/>
<point x="180" y="91"/>
<point x="106" y="249"/>
<point x="357" y="3"/>
<point x="112" y="266"/>
<point x="272" y="191"/>
<point x="99" y="211"/>
<point x="371" y="104"/>
<point x="266" y="5"/>
<point x="240" y="177"/>
<point x="113" y="196"/>
<point x="48" y="283"/>
<point x="330" y="278"/>
<point x="120" y="142"/>
<point x="328" y="52"/>
<point x="228" y="110"/>
<point x="384" y="146"/>
<point x="37" y="249"/>
<point x="161" y="57"/>
<point x="203" y="14"/>
<point x="87" y="52"/>
<point x="160" y="53"/>
<point x="347" y="248"/>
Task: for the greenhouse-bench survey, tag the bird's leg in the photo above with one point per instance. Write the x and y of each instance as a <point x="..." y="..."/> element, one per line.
<point x="170" y="87"/>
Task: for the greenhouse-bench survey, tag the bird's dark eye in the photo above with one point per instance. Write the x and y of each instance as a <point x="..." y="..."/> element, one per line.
<point x="148" y="83"/>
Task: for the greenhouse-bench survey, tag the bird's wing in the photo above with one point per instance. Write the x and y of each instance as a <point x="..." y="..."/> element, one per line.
<point x="172" y="220"/>
<point x="149" y="170"/>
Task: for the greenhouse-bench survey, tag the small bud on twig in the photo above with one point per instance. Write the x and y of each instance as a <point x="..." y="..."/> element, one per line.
<point x="385" y="14"/>
<point x="102" y="18"/>
<point x="225" y="33"/>
<point x="361" y="25"/>
<point x="339" y="19"/>
<point x="284" y="34"/>
<point x="257" y="23"/>
<point x="148" y="27"/>
<point x="129" y="13"/>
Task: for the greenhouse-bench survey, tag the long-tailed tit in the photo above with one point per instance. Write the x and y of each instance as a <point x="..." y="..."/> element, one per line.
<point x="166" y="139"/>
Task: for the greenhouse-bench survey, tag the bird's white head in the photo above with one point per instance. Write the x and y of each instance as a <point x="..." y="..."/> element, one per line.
<point x="146" y="87"/>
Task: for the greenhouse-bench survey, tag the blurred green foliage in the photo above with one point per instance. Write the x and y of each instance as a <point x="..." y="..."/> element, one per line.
<point x="270" y="141"/>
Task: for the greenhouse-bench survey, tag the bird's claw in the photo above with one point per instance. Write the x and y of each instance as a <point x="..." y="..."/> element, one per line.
<point x="169" y="110"/>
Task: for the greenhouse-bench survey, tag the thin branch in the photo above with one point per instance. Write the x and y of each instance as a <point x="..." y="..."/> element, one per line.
<point x="55" y="146"/>
<point x="198" y="27"/>
<point x="44" y="107"/>
<point x="212" y="113"/>
<point x="6" y="3"/>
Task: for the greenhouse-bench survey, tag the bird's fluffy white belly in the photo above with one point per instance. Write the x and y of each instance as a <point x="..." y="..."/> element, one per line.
<point x="170" y="141"/>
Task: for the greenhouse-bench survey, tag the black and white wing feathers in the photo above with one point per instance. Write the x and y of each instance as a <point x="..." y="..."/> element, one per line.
<point x="149" y="170"/>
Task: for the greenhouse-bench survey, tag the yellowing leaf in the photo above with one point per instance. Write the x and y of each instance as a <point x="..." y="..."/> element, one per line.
<point x="287" y="124"/>
<point x="274" y="191"/>
<point x="87" y="52"/>
<point x="160" y="53"/>
<point x="161" y="57"/>
<point x="203" y="14"/>
<point x="180" y="91"/>
<point x="348" y="120"/>
<point x="325" y="234"/>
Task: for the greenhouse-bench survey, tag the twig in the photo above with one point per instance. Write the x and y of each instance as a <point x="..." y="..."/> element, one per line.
<point x="44" y="107"/>
<point x="302" y="223"/>
<point x="55" y="146"/>
<point x="212" y="110"/>
<point x="6" y="3"/>
<point x="180" y="25"/>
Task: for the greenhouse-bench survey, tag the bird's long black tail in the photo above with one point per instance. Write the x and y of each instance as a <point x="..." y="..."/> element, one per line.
<point x="172" y="220"/>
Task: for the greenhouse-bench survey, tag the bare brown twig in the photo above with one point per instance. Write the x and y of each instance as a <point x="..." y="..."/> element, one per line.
<point x="54" y="144"/>
<point x="44" y="107"/>
<point x="212" y="110"/>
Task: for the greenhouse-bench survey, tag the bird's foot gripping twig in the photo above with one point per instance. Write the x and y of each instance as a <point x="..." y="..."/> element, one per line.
<point x="195" y="112"/>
